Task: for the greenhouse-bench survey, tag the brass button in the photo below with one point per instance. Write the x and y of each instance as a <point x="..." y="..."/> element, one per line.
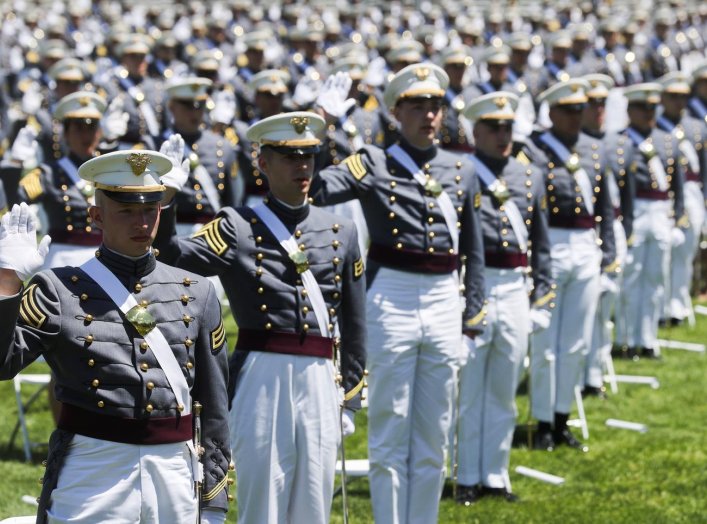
<point x="190" y="365"/>
<point x="304" y="293"/>
<point x="149" y="408"/>
<point x="88" y="319"/>
<point x="261" y="290"/>
<point x="305" y="327"/>
<point x="264" y="308"/>
<point x="184" y="298"/>
<point x="336" y="295"/>
<point x="74" y="278"/>
<point x="144" y="366"/>
<point x="100" y="404"/>
<point x="230" y="481"/>
<point x="335" y="227"/>
<point x="144" y="345"/>
<point x="305" y="310"/>
<point x="259" y="272"/>
<point x="259" y="256"/>
<point x="138" y="287"/>
<point x="84" y="296"/>
<point x="298" y="233"/>
<point x="186" y="318"/>
<point x="150" y="386"/>
<point x="268" y="326"/>
<point x="180" y="407"/>
<point x="231" y="466"/>
<point x="95" y="383"/>
<point x="337" y="278"/>
<point x="336" y="261"/>
<point x="91" y="362"/>
<point x="188" y="342"/>
<point x="89" y="339"/>
<point x="186" y="281"/>
<point x="336" y="244"/>
<point x="144" y="303"/>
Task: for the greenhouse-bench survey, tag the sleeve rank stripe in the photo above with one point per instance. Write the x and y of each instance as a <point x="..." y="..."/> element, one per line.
<point x="218" y="336"/>
<point x="351" y="394"/>
<point x="217" y="489"/>
<point x="356" y="166"/>
<point x="544" y="300"/>
<point x="478" y="318"/>
<point x="29" y="311"/>
<point x="213" y="238"/>
<point x="358" y="268"/>
<point x="31" y="184"/>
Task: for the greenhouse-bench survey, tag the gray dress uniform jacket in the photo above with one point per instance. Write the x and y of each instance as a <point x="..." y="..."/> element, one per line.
<point x="527" y="190"/>
<point x="109" y="382"/>
<point x="695" y="131"/>
<point x="272" y="308"/>
<point x="404" y="219"/>
<point x="565" y="204"/>
<point x="634" y="178"/>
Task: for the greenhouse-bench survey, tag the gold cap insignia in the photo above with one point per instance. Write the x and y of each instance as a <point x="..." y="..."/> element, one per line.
<point x="85" y="101"/>
<point x="422" y="73"/>
<point x="500" y="101"/>
<point x="574" y="87"/>
<point x="299" y="123"/>
<point x="138" y="162"/>
<point x="194" y="87"/>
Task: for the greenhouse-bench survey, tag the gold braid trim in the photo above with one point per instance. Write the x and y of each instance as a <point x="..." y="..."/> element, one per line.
<point x="544" y="300"/>
<point x="351" y="394"/>
<point x="217" y="489"/>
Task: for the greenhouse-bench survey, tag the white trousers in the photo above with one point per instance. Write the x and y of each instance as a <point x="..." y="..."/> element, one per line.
<point x="602" y="331"/>
<point x="488" y="380"/>
<point x="683" y="256"/>
<point x="557" y="353"/>
<point x="285" y="433"/>
<point x="104" y="481"/>
<point x="639" y="305"/>
<point x="414" y="345"/>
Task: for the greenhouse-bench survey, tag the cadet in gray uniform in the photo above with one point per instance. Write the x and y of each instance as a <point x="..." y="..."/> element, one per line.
<point x="420" y="206"/>
<point x="455" y="134"/>
<point x="212" y="159"/>
<point x="514" y="222"/>
<point x="650" y="177"/>
<point x="132" y="343"/>
<point x="295" y="279"/>
<point x="691" y="135"/>
<point x="578" y="201"/>
<point x="698" y="100"/>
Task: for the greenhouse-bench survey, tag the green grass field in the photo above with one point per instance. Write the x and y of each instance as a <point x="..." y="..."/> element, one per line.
<point x="654" y="477"/>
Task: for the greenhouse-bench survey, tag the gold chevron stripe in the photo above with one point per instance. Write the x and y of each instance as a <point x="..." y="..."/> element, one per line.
<point x="351" y="394"/>
<point x="358" y="268"/>
<point x="217" y="489"/>
<point x="356" y="167"/>
<point x="212" y="235"/>
<point x="218" y="336"/>
<point x="32" y="184"/>
<point x="29" y="311"/>
<point x="544" y="300"/>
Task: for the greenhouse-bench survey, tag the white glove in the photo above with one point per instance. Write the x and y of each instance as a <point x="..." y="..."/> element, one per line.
<point x="31" y="100"/>
<point x="213" y="516"/>
<point x="375" y="75"/>
<point x="173" y="148"/>
<point x="305" y="91"/>
<point x="347" y="419"/>
<point x="539" y="319"/>
<point x="114" y="122"/>
<point x="25" y="148"/>
<point x="677" y="237"/>
<point x="608" y="284"/>
<point x="224" y="110"/>
<point x="18" y="243"/>
<point x="332" y="97"/>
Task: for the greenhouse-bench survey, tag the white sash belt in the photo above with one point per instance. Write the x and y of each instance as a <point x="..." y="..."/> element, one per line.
<point x="289" y="244"/>
<point x="488" y="179"/>
<point x="158" y="344"/>
<point x="572" y="164"/>
<point x="445" y="203"/>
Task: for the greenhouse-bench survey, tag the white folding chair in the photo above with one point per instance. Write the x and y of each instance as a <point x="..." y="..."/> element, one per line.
<point x="581" y="420"/>
<point x="35" y="379"/>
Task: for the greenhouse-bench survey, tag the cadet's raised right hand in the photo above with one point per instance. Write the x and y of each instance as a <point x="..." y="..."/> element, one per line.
<point x="19" y="250"/>
<point x="173" y="148"/>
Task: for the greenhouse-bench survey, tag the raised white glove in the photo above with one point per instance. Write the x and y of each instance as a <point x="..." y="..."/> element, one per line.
<point x="114" y="122"/>
<point x="18" y="243"/>
<point x="677" y="237"/>
<point x="31" y="100"/>
<point x="224" y="110"/>
<point x="608" y="284"/>
<point x="375" y="75"/>
<point x="212" y="516"/>
<point x="539" y="319"/>
<point x="305" y="91"/>
<point x="347" y="419"/>
<point x="25" y="148"/>
<point x="332" y="97"/>
<point x="173" y="148"/>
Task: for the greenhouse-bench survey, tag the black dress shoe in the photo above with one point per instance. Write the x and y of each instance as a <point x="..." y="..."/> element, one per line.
<point x="649" y="353"/>
<point x="675" y="322"/>
<point x="467" y="495"/>
<point x="593" y="391"/>
<point x="618" y="351"/>
<point x="568" y="439"/>
<point x="632" y="354"/>
<point x="544" y="441"/>
<point x="500" y="492"/>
